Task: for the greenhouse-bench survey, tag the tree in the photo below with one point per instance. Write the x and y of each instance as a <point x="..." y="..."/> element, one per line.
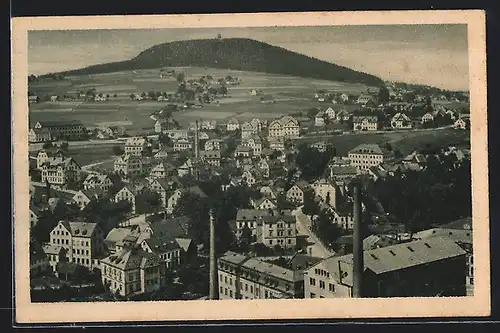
<point x="181" y="77"/>
<point x="383" y="95"/>
<point x="152" y="94"/>
<point x="132" y="96"/>
<point x="147" y="202"/>
<point x="222" y="91"/>
<point x="107" y="95"/>
<point x="47" y="145"/>
<point x="64" y="146"/>
<point x="118" y="150"/>
<point x="310" y="206"/>
<point x="143" y="95"/>
<point x="115" y="95"/>
<point x="165" y="140"/>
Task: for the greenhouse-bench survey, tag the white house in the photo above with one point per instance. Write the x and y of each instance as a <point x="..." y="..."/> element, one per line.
<point x="330" y="113"/>
<point x="319" y="120"/>
<point x="401" y="121"/>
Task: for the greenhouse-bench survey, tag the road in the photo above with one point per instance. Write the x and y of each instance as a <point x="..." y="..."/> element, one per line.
<point x="327" y="135"/>
<point x="318" y="249"/>
<point x="88" y="166"/>
<point x="80" y="144"/>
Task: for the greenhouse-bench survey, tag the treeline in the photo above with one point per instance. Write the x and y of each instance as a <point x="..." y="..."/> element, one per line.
<point x="439" y="194"/>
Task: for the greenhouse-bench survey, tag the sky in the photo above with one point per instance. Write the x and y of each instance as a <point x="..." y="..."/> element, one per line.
<point x="435" y="55"/>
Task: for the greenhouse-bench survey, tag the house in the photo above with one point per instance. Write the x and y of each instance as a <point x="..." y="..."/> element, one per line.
<point x="54" y="98"/>
<point x="264" y="203"/>
<point x="254" y="142"/>
<point x="83" y="242"/>
<point x="365" y="156"/>
<point x="278" y="230"/>
<point x="365" y="122"/>
<point x="253" y="92"/>
<point x="163" y="187"/>
<point x="39" y="263"/>
<point x="243" y="151"/>
<point x="320" y="146"/>
<point x="250" y="218"/>
<point x="55" y="254"/>
<point x="233" y="124"/>
<point x="401" y="121"/>
<point x="264" y="167"/>
<point x="319" y="119"/>
<point x="427" y="117"/>
<point x="344" y="97"/>
<point x="284" y="127"/>
<point x="248" y="130"/>
<point x="39" y="135"/>
<point x="174" y="198"/>
<point x="127" y="193"/>
<point x="425" y="268"/>
<point x="295" y="194"/>
<point x="330" y="113"/>
<point x="211" y="157"/>
<point x="162" y="153"/>
<point x="59" y="130"/>
<point x="33" y="99"/>
<point x="83" y="197"/>
<point x="101" y="98"/>
<point x="192" y="167"/>
<point x="344" y="218"/>
<point x="244" y="277"/>
<point x="132" y="271"/>
<point x="182" y="144"/>
<point x="257" y="124"/>
<point x="35" y="214"/>
<point x="97" y="181"/>
<point x="364" y="99"/>
<point x="136" y="145"/>
<point x="212" y="144"/>
<point x="461" y="123"/>
<point x="327" y="192"/>
<point x="60" y="171"/>
<point x="268" y="192"/>
<point x="244" y="163"/>
<point x="251" y="177"/>
<point x="162" y="170"/>
<point x="276" y="143"/>
<point x="209" y="125"/>
<point x="46" y="155"/>
<point x="128" y="165"/>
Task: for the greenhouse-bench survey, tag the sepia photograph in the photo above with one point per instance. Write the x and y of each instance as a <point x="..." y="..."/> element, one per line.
<point x="311" y="165"/>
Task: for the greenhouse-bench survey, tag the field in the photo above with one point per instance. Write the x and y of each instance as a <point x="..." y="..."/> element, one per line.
<point x="291" y="94"/>
<point x="406" y="142"/>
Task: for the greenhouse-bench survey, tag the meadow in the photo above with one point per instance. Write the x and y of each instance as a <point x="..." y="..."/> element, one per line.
<point x="291" y="94"/>
<point x="405" y="142"/>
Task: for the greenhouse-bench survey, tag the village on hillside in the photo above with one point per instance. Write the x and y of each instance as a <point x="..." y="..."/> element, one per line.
<point x="269" y="201"/>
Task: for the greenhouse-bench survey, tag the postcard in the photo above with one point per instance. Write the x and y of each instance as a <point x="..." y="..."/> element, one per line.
<point x="250" y="166"/>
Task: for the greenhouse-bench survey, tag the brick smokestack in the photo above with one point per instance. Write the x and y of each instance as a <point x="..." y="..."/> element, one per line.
<point x="196" y="139"/>
<point x="213" y="260"/>
<point x="358" y="264"/>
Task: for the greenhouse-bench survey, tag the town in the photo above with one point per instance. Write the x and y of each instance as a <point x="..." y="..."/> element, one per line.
<point x="261" y="208"/>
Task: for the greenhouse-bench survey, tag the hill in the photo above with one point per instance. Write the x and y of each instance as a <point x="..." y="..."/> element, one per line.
<point x="236" y="54"/>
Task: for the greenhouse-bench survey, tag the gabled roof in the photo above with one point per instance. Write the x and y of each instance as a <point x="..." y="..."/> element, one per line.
<point x="244" y="214"/>
<point x="130" y="259"/>
<point x="367" y="148"/>
<point x="80" y="229"/>
<point x="116" y="235"/>
<point x="395" y="257"/>
<point x="276" y="218"/>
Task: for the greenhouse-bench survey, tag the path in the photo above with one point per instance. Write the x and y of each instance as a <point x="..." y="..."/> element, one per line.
<point x="318" y="249"/>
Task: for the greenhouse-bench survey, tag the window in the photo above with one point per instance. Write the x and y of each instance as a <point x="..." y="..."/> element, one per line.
<point x="221" y="290"/>
<point x="322" y="284"/>
<point x="331" y="287"/>
<point x="312" y="295"/>
<point x="230" y="293"/>
<point x="251" y="289"/>
<point x="246" y="287"/>
<point x="230" y="281"/>
<point x="225" y="291"/>
<point x="225" y="279"/>
<point x="312" y="281"/>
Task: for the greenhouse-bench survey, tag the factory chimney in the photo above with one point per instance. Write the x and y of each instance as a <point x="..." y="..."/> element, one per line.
<point x="213" y="260"/>
<point x="196" y="141"/>
<point x="358" y="264"/>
